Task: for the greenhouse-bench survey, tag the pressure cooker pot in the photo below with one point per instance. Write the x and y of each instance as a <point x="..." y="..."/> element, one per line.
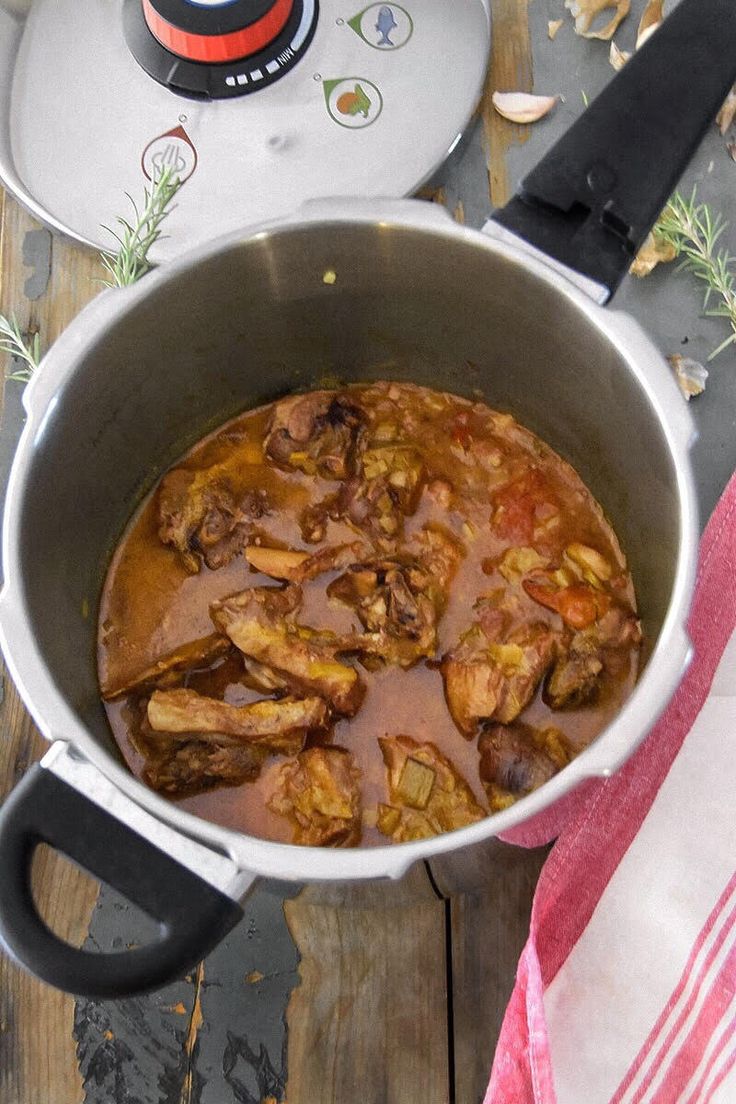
<point x="512" y="315"/>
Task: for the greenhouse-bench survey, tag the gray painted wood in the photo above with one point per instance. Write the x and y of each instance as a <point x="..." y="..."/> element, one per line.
<point x="214" y="1037"/>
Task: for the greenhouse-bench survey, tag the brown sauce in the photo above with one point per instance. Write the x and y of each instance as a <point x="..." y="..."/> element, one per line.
<point x="153" y="602"/>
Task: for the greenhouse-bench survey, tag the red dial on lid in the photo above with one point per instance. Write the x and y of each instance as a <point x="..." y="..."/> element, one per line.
<point x="216" y="33"/>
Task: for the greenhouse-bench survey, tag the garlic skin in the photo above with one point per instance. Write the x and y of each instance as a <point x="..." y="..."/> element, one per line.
<point x="654" y="251"/>
<point x="690" y="375"/>
<point x="618" y="57"/>
<point x="725" y="116"/>
<point x="522" y="107"/>
<point x="585" y="11"/>
<point x="652" y="16"/>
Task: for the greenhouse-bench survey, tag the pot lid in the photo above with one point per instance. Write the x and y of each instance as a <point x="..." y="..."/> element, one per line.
<point x="257" y="105"/>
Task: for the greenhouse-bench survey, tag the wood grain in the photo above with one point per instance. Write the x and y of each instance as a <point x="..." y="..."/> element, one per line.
<point x="510" y="71"/>
<point x="489" y="930"/>
<point x="369" y="1020"/>
<point x="37" y="1058"/>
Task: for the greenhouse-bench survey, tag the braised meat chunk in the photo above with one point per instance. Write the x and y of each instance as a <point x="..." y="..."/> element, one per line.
<point x="427" y="795"/>
<point x="178" y="768"/>
<point x="383" y="492"/>
<point x="392" y="602"/>
<point x="205" y="517"/>
<point x="320" y="793"/>
<point x="261" y="625"/>
<point x="576" y="675"/>
<point x="400" y="601"/>
<point x="277" y="725"/>
<point x="516" y="759"/>
<point x="317" y="433"/>
<point x="172" y="667"/>
<point x="494" y="677"/>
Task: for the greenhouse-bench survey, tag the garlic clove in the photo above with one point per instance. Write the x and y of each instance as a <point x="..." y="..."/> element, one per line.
<point x="522" y="107"/>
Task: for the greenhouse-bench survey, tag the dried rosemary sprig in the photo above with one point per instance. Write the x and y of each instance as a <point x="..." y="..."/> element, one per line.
<point x="27" y="352"/>
<point x="694" y="231"/>
<point x="130" y="261"/>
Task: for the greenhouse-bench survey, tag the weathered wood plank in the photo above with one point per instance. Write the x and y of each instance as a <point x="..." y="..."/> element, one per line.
<point x="489" y="930"/>
<point x="369" y="1019"/>
<point x="215" y="1036"/>
<point x="37" y="1060"/>
<point x="510" y="71"/>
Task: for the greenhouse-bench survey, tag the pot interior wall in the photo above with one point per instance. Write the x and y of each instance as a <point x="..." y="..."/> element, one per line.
<point x="258" y="320"/>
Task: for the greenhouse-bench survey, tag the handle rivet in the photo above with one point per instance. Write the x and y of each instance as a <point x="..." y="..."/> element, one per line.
<point x="601" y="178"/>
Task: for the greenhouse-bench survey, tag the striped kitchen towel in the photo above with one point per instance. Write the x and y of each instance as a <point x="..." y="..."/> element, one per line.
<point x="626" y="989"/>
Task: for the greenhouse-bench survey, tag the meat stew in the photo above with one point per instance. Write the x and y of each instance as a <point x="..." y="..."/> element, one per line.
<point x="361" y="616"/>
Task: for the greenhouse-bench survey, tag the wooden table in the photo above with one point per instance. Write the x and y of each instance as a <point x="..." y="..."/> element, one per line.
<point x="368" y="1000"/>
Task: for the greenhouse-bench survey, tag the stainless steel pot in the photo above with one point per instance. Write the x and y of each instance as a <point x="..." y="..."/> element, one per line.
<point x="144" y="373"/>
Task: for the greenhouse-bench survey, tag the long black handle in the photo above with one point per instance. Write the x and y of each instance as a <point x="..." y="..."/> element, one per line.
<point x="596" y="195"/>
<point x="193" y="916"/>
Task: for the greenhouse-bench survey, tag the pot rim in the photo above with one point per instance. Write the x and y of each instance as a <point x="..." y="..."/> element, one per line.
<point x="291" y="862"/>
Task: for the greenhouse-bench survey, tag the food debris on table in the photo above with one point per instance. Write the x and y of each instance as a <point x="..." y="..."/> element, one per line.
<point x="617" y="56"/>
<point x="690" y="375"/>
<point x="651" y="18"/>
<point x="553" y="27"/>
<point x="725" y="116"/>
<point x="523" y="107"/>
<point x="584" y="13"/>
<point x="654" y="251"/>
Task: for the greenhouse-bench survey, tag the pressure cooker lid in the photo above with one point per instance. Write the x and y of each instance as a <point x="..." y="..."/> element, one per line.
<point x="257" y="105"/>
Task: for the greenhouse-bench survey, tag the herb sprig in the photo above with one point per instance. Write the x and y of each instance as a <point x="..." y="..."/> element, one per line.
<point x="138" y="234"/>
<point x="27" y="351"/>
<point x="695" y="231"/>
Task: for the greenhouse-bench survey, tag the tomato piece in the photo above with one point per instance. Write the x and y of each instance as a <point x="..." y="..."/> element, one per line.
<point x="516" y="503"/>
<point x="579" y="606"/>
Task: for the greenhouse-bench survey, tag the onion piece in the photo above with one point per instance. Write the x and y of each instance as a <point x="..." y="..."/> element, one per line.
<point x="522" y="107"/>
<point x="585" y="11"/>
<point x="553" y="27"/>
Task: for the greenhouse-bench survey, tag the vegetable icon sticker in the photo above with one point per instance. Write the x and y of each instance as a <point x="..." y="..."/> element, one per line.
<point x="383" y="26"/>
<point x="353" y="102"/>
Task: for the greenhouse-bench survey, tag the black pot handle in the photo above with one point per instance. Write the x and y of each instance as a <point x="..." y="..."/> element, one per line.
<point x="193" y="916"/>
<point x="593" y="199"/>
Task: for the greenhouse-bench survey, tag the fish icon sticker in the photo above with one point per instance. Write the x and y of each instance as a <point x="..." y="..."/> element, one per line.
<point x="353" y="102"/>
<point x="383" y="26"/>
